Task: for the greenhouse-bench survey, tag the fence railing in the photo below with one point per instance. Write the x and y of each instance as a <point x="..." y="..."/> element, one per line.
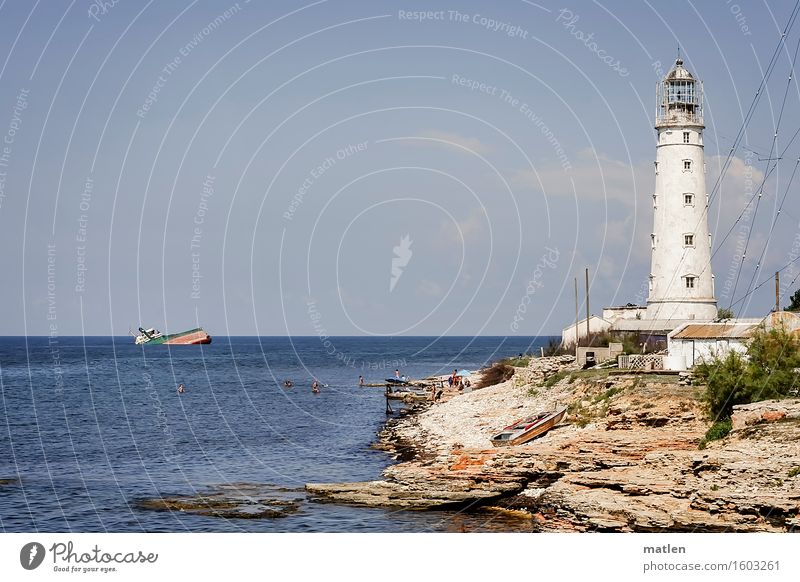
<point x="641" y="362"/>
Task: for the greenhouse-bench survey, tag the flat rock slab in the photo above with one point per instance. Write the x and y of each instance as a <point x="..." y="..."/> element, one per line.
<point x="230" y="501"/>
<point x="745" y="415"/>
<point x="416" y="495"/>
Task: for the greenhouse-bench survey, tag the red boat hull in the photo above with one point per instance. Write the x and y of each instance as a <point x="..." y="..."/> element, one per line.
<point x="190" y="339"/>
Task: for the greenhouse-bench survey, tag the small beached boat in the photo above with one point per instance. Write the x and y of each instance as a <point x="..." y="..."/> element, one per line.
<point x="528" y="428"/>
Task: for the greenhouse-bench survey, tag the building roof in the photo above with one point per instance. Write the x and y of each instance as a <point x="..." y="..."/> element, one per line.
<point x="658" y="326"/>
<point x="733" y="330"/>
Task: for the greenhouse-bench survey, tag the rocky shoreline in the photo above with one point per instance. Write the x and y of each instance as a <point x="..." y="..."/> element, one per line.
<point x="626" y="458"/>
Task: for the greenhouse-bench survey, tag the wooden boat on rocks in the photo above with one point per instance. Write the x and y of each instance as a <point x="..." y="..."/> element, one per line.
<point x="529" y="428"/>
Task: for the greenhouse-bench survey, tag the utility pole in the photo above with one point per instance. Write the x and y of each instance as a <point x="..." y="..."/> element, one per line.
<point x="777" y="291"/>
<point x="588" y="337"/>
<point x="577" y="318"/>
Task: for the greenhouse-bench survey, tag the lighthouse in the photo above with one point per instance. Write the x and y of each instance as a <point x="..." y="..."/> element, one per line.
<point x="681" y="283"/>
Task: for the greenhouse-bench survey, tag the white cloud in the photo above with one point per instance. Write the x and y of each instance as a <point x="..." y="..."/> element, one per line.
<point x="453" y="141"/>
<point x="595" y="177"/>
<point x="463" y="231"/>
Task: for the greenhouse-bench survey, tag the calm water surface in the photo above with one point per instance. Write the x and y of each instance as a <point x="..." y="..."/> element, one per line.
<point x="90" y="425"/>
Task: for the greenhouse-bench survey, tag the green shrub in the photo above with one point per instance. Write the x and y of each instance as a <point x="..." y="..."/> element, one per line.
<point x="517" y="362"/>
<point x="719" y="430"/>
<point x="725" y="313"/>
<point x="603" y="396"/>
<point x="555" y="379"/>
<point x="794" y="471"/>
<point x="727" y="383"/>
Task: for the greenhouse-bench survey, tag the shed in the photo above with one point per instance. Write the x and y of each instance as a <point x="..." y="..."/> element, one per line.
<point x="696" y="342"/>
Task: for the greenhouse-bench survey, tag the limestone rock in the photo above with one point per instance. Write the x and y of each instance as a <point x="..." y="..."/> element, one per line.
<point x="626" y="458"/>
<point x="745" y="415"/>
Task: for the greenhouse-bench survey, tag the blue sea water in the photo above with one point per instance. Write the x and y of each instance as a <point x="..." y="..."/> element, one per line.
<point x="91" y="425"/>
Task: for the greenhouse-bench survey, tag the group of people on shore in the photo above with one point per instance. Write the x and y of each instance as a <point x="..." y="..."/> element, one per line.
<point x="456" y="381"/>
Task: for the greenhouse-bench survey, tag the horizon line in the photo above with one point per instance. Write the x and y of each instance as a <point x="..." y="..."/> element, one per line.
<point x="300" y="336"/>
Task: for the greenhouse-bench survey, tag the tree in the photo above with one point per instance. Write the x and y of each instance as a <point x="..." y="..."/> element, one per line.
<point x="794" y="302"/>
<point x="726" y="383"/>
<point x="774" y="357"/>
<point x="768" y="371"/>
<point x="724" y="313"/>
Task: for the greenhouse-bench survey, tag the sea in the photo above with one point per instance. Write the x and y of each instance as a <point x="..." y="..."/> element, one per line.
<point x="90" y="427"/>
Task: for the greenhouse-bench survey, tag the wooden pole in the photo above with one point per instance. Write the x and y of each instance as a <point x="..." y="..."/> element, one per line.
<point x="577" y="318"/>
<point x="588" y="342"/>
<point x="777" y="291"/>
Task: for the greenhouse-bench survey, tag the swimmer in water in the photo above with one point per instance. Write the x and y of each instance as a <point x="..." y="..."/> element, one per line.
<point x="181" y="389"/>
<point x="315" y="386"/>
<point x="288" y="384"/>
<point x="361" y="380"/>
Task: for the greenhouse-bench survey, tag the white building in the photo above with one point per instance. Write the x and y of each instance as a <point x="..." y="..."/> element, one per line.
<point x="693" y="343"/>
<point x="596" y="325"/>
<point x="681" y="281"/>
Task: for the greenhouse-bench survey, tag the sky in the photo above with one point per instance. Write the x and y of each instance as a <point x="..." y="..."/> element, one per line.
<point x="374" y="167"/>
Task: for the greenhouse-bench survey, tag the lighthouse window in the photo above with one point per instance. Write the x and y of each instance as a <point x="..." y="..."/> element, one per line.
<point x="653" y="241"/>
<point x="685" y="137"/>
<point x="656" y="166"/>
<point x="688" y="199"/>
<point x="687" y="165"/>
<point x="688" y="240"/>
<point x="690" y="282"/>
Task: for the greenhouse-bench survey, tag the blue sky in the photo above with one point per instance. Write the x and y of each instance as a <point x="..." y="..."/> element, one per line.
<point x="256" y="167"/>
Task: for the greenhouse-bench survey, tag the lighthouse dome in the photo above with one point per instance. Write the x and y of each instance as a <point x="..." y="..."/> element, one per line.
<point x="678" y="72"/>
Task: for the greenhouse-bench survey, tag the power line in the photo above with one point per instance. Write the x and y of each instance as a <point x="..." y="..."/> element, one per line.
<point x="791" y="178"/>
<point x="767" y="280"/>
<point x="764" y="78"/>
<point x="758" y="202"/>
<point x="758" y="191"/>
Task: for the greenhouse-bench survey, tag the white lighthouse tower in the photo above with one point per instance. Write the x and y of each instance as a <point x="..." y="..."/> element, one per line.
<point x="681" y="281"/>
